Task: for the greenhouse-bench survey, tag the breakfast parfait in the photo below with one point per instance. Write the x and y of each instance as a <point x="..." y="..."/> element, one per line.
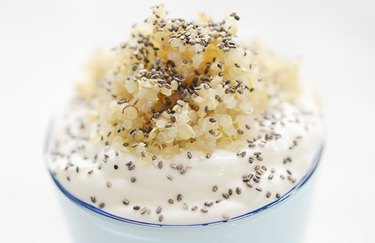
<point x="182" y="124"/>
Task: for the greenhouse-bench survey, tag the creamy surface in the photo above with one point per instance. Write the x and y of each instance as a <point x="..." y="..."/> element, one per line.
<point x="190" y="187"/>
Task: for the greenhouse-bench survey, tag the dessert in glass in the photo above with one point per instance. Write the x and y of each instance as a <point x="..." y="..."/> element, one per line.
<point x="183" y="134"/>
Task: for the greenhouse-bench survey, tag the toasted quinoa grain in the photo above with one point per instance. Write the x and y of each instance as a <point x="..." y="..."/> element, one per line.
<point x="174" y="80"/>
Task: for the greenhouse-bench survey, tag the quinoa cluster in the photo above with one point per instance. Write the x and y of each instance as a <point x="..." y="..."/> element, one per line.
<point x="176" y="86"/>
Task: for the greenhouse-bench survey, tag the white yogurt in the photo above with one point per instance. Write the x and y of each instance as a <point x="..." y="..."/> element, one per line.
<point x="201" y="181"/>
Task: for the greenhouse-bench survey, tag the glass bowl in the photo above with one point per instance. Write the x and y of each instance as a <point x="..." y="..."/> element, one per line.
<point x="282" y="220"/>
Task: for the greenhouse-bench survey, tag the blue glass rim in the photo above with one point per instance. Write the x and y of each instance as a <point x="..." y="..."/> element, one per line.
<point x="272" y="204"/>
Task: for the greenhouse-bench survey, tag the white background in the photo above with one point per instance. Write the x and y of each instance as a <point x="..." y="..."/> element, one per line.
<point x="44" y="44"/>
